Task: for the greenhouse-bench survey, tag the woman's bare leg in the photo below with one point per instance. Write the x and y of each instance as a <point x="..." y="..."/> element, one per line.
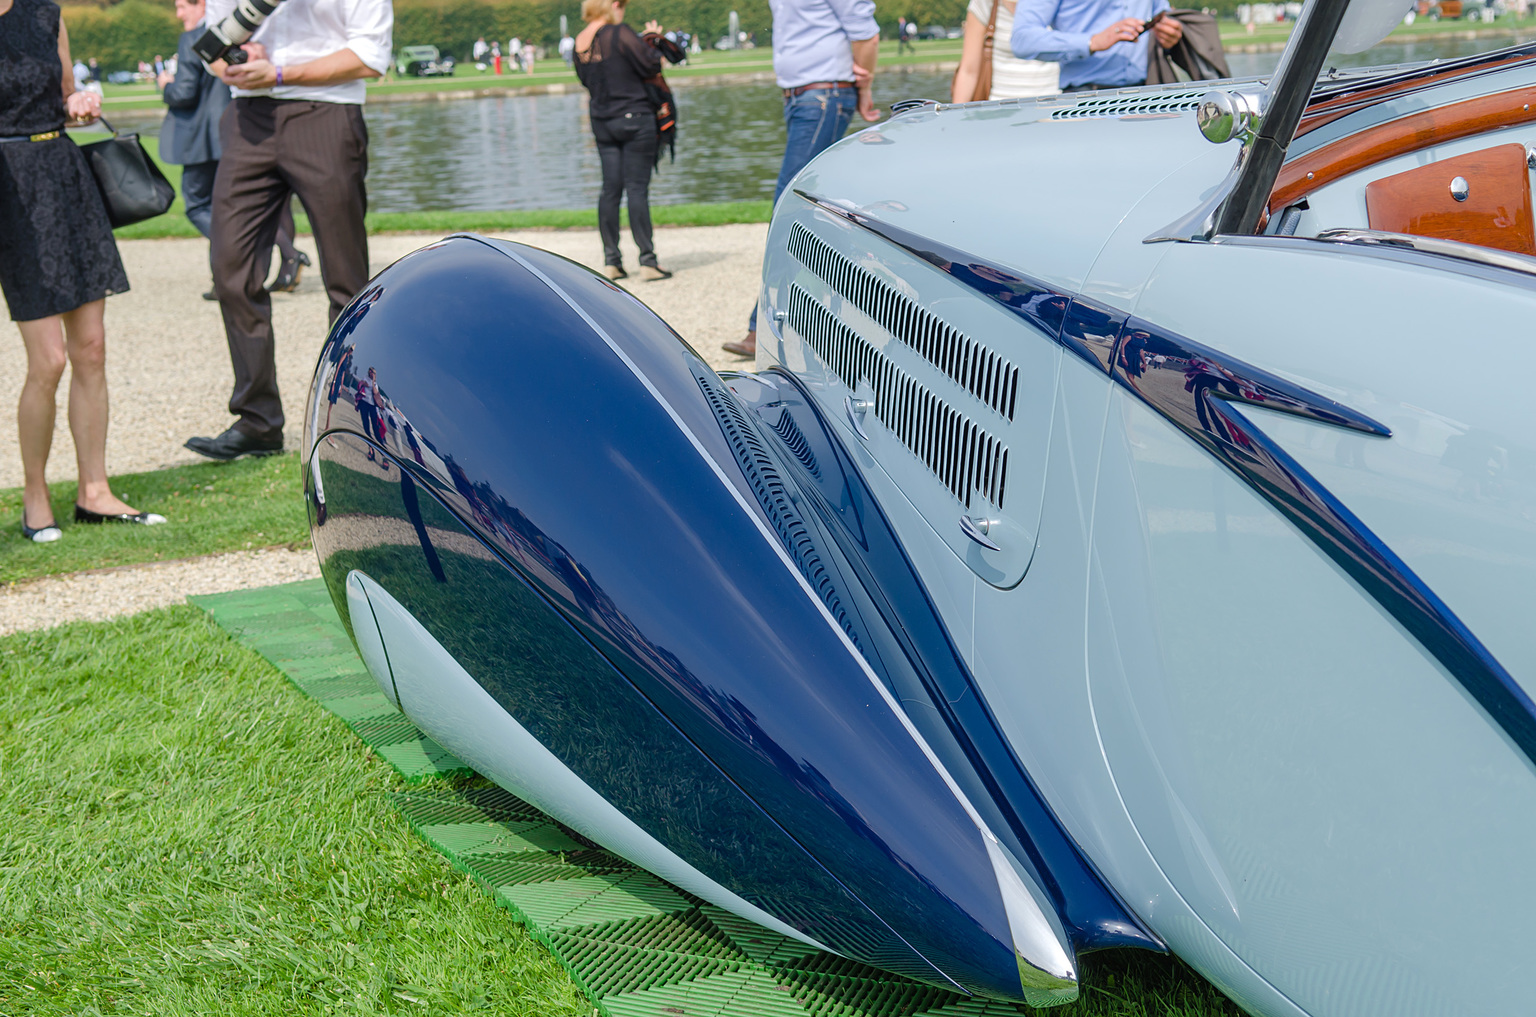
<point x="35" y="412"/>
<point x="86" y="344"/>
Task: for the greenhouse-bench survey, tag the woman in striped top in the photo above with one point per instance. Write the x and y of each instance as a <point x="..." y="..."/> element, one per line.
<point x="1012" y="78"/>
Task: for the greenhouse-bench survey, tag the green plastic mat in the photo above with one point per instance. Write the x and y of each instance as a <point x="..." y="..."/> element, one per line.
<point x="296" y="628"/>
<point x="636" y="945"/>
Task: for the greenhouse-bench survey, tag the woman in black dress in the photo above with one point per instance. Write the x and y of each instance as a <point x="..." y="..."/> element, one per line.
<point x="613" y="63"/>
<point x="58" y="262"/>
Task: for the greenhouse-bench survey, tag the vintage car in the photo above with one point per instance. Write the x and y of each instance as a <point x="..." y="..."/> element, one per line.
<point x="423" y="62"/>
<point x="1124" y="540"/>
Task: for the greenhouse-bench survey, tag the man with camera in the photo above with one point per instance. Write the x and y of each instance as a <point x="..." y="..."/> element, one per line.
<point x="295" y="125"/>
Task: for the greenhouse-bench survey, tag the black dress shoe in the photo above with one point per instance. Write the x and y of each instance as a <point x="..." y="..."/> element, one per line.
<point x="85" y="515"/>
<point x="210" y="295"/>
<point x="288" y="273"/>
<point x="235" y="443"/>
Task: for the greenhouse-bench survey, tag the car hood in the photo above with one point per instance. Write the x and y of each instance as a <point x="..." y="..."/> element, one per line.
<point x="1037" y="185"/>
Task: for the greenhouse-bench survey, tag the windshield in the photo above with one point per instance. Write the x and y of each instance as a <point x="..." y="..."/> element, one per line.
<point x="1381" y="33"/>
<point x="1367" y="22"/>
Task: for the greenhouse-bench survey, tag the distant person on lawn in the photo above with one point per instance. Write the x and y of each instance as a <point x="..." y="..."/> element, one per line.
<point x="613" y="62"/>
<point x="58" y="264"/>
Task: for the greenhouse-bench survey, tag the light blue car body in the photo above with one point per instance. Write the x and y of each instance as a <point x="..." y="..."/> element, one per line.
<point x="1286" y="786"/>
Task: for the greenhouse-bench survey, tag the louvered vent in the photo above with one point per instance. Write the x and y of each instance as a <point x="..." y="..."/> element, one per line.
<point x="964" y="457"/>
<point x="984" y="374"/>
<point x="1128" y="105"/>
<point x="763" y="475"/>
<point x="786" y="428"/>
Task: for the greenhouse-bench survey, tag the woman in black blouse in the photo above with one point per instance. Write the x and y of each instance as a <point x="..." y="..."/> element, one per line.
<point x="58" y="263"/>
<point x="613" y="63"/>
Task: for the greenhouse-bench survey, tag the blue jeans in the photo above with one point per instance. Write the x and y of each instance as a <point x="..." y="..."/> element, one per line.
<point x="813" y="121"/>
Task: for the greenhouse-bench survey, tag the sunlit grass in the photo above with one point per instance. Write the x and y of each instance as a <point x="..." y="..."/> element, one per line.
<point x="187" y="834"/>
<point x="211" y="507"/>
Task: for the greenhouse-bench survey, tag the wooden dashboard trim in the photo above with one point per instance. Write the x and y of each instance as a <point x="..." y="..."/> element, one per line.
<point x="1411" y="133"/>
<point x="1329" y="110"/>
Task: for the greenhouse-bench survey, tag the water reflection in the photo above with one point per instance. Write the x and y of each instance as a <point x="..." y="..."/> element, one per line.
<point x="536" y="151"/>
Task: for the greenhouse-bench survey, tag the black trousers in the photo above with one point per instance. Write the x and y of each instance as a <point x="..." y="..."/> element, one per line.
<point x="274" y="148"/>
<point x="626" y="145"/>
<point x="197" y="194"/>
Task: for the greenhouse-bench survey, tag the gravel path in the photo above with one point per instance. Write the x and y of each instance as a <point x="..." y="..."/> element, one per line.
<point x="96" y="596"/>
<point x="168" y="365"/>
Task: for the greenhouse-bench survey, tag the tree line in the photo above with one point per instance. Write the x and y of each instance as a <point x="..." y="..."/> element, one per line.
<point x="121" y="35"/>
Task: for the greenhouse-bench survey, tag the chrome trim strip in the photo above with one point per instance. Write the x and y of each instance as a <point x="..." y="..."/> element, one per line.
<point x="1435" y="245"/>
<point x="1502" y="267"/>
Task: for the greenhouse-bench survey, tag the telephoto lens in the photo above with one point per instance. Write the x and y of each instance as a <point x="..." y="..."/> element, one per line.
<point x="222" y="41"/>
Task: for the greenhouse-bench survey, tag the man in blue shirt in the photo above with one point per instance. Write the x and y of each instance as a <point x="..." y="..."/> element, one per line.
<point x="824" y="59"/>
<point x="1099" y="43"/>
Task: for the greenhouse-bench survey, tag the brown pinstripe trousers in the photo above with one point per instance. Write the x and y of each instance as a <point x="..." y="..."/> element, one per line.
<point x="274" y="147"/>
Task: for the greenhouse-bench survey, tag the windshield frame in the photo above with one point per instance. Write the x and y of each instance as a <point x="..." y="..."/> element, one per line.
<point x="1284" y="102"/>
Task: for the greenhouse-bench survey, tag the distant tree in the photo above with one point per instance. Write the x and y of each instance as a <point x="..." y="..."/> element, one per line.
<point x="121" y="35"/>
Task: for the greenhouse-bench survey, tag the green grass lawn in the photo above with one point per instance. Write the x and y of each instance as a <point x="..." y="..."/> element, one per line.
<point x="211" y="507"/>
<point x="187" y="834"/>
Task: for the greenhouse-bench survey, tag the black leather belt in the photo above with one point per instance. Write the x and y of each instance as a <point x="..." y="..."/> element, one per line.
<point x="790" y="93"/>
<point x="45" y="136"/>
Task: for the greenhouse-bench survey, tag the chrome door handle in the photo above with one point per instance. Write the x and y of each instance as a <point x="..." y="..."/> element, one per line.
<point x="977" y="529"/>
<point x="856" y="408"/>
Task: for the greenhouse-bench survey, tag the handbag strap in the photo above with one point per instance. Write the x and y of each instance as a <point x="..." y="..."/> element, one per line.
<point x="107" y="124"/>
<point x="986" y="40"/>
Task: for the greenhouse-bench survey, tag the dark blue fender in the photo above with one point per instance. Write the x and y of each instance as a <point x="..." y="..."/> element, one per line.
<point x="590" y="547"/>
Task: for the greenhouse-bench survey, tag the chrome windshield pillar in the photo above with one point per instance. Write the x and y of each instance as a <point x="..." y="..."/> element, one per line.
<point x="1238" y="204"/>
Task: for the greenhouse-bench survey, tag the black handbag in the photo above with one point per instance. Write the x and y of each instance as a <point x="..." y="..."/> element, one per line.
<point x="132" y="186"/>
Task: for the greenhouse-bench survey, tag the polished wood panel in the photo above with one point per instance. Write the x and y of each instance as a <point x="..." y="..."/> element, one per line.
<point x="1320" y="112"/>
<point x="1339" y="159"/>
<point x="1496" y="212"/>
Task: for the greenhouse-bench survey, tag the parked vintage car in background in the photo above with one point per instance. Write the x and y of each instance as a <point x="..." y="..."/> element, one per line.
<point x="1124" y="541"/>
<point x="423" y="62"/>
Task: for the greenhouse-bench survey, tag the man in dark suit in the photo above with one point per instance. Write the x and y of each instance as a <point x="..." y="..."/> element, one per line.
<point x="190" y="138"/>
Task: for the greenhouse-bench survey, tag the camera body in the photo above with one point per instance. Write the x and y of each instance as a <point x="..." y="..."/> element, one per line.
<point x="223" y="41"/>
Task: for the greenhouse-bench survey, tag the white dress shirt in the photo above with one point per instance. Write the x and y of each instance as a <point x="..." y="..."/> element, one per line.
<point x="303" y="30"/>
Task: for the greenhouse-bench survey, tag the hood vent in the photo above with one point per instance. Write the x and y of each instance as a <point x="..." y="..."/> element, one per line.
<point x="962" y="455"/>
<point x="1132" y="105"/>
<point x="763" y="474"/>
<point x="968" y="363"/>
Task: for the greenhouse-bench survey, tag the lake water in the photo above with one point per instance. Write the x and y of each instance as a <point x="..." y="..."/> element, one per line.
<point x="533" y="152"/>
